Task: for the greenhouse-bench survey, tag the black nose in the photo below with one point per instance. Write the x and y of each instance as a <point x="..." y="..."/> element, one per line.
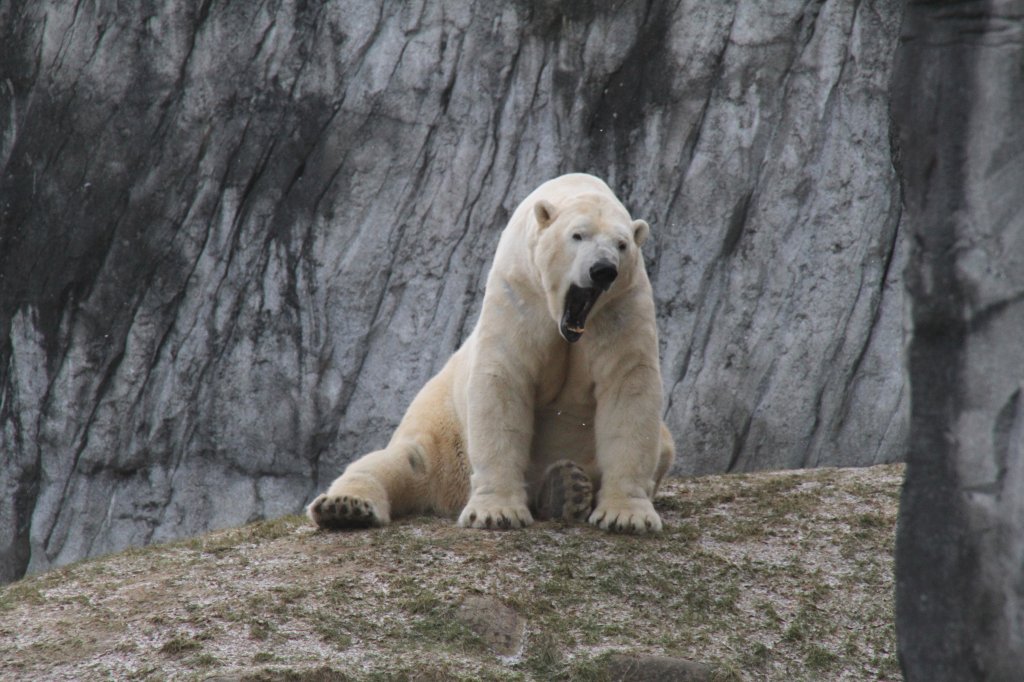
<point x="603" y="273"/>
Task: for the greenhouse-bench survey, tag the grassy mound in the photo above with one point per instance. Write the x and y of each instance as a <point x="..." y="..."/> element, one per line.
<point x="777" y="576"/>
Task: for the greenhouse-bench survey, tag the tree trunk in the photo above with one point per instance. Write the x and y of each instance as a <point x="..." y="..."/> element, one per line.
<point x="958" y="97"/>
<point x="236" y="238"/>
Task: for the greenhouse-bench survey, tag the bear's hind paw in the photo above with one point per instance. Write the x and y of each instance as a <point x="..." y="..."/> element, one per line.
<point x="337" y="512"/>
<point x="565" y="494"/>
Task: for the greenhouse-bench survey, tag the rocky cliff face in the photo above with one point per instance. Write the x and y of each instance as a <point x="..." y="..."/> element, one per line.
<point x="235" y="239"/>
<point x="958" y="96"/>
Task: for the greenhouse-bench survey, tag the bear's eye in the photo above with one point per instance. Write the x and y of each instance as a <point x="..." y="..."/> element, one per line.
<point x="577" y="237"/>
<point x="622" y="246"/>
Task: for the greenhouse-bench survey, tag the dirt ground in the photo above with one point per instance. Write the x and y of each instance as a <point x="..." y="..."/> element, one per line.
<point x="769" y="576"/>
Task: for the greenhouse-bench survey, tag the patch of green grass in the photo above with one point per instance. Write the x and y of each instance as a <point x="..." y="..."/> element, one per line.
<point x="79" y="599"/>
<point x="726" y="600"/>
<point x="22" y="592"/>
<point x="794" y="633"/>
<point x="224" y="542"/>
<point x="774" y="485"/>
<point x="820" y="659"/>
<point x="431" y="672"/>
<point x="273" y="529"/>
<point x="204" y="661"/>
<point x="333" y="631"/>
<point x="819" y="591"/>
<point x="149" y="672"/>
<point x="410" y="596"/>
<point x="321" y="674"/>
<point x="685" y="532"/>
<point x="742" y="529"/>
<point x="757" y="656"/>
<point x="725" y="497"/>
<point x="286" y="595"/>
<point x="179" y="645"/>
<point x="260" y="630"/>
<point x="874" y="521"/>
<point x="589" y="670"/>
<point x="440" y="625"/>
<point x="888" y="666"/>
<point x="770" y="614"/>
<point x="126" y="648"/>
<point x="544" y="658"/>
<point x="683" y="506"/>
<point x="341" y="590"/>
<point x="71" y="646"/>
<point x="726" y="672"/>
<point x="799" y="503"/>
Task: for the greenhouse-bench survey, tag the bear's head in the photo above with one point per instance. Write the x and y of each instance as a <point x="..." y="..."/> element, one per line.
<point x="585" y="248"/>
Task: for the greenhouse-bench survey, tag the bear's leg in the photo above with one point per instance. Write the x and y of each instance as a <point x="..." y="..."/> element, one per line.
<point x="422" y="469"/>
<point x="372" y="489"/>
<point x="566" y="493"/>
<point x="630" y="454"/>
<point x="499" y="430"/>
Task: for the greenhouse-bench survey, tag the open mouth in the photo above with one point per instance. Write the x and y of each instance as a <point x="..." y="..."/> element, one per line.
<point x="578" y="303"/>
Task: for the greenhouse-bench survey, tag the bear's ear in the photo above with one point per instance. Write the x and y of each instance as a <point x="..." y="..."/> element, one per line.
<point x="640" y="231"/>
<point x="544" y="212"/>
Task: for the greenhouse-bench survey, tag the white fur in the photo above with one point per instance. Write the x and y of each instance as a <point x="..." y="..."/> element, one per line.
<point x="516" y="397"/>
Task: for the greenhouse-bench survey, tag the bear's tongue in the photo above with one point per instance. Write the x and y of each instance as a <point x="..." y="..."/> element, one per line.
<point x="578" y="302"/>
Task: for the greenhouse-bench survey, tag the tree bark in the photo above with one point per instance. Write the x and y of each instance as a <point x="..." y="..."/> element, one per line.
<point x="236" y="238"/>
<point x="958" y="99"/>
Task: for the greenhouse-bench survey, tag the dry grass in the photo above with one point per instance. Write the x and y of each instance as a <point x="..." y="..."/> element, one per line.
<point x="780" y="576"/>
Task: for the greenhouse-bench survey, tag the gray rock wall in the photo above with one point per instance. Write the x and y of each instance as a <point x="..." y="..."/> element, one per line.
<point x="236" y="238"/>
<point x="958" y="97"/>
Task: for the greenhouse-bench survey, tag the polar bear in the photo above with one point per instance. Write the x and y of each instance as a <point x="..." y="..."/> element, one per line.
<point x="552" y="405"/>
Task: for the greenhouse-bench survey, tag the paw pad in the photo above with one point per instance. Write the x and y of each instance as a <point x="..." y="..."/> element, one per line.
<point x="341" y="512"/>
<point x="566" y="493"/>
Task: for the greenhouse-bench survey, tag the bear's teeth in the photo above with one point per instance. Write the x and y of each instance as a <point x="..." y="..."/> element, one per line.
<point x="577" y="330"/>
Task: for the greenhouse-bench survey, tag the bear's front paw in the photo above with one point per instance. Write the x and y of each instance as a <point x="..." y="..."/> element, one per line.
<point x="336" y="512"/>
<point x="629" y="515"/>
<point x="496" y="513"/>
